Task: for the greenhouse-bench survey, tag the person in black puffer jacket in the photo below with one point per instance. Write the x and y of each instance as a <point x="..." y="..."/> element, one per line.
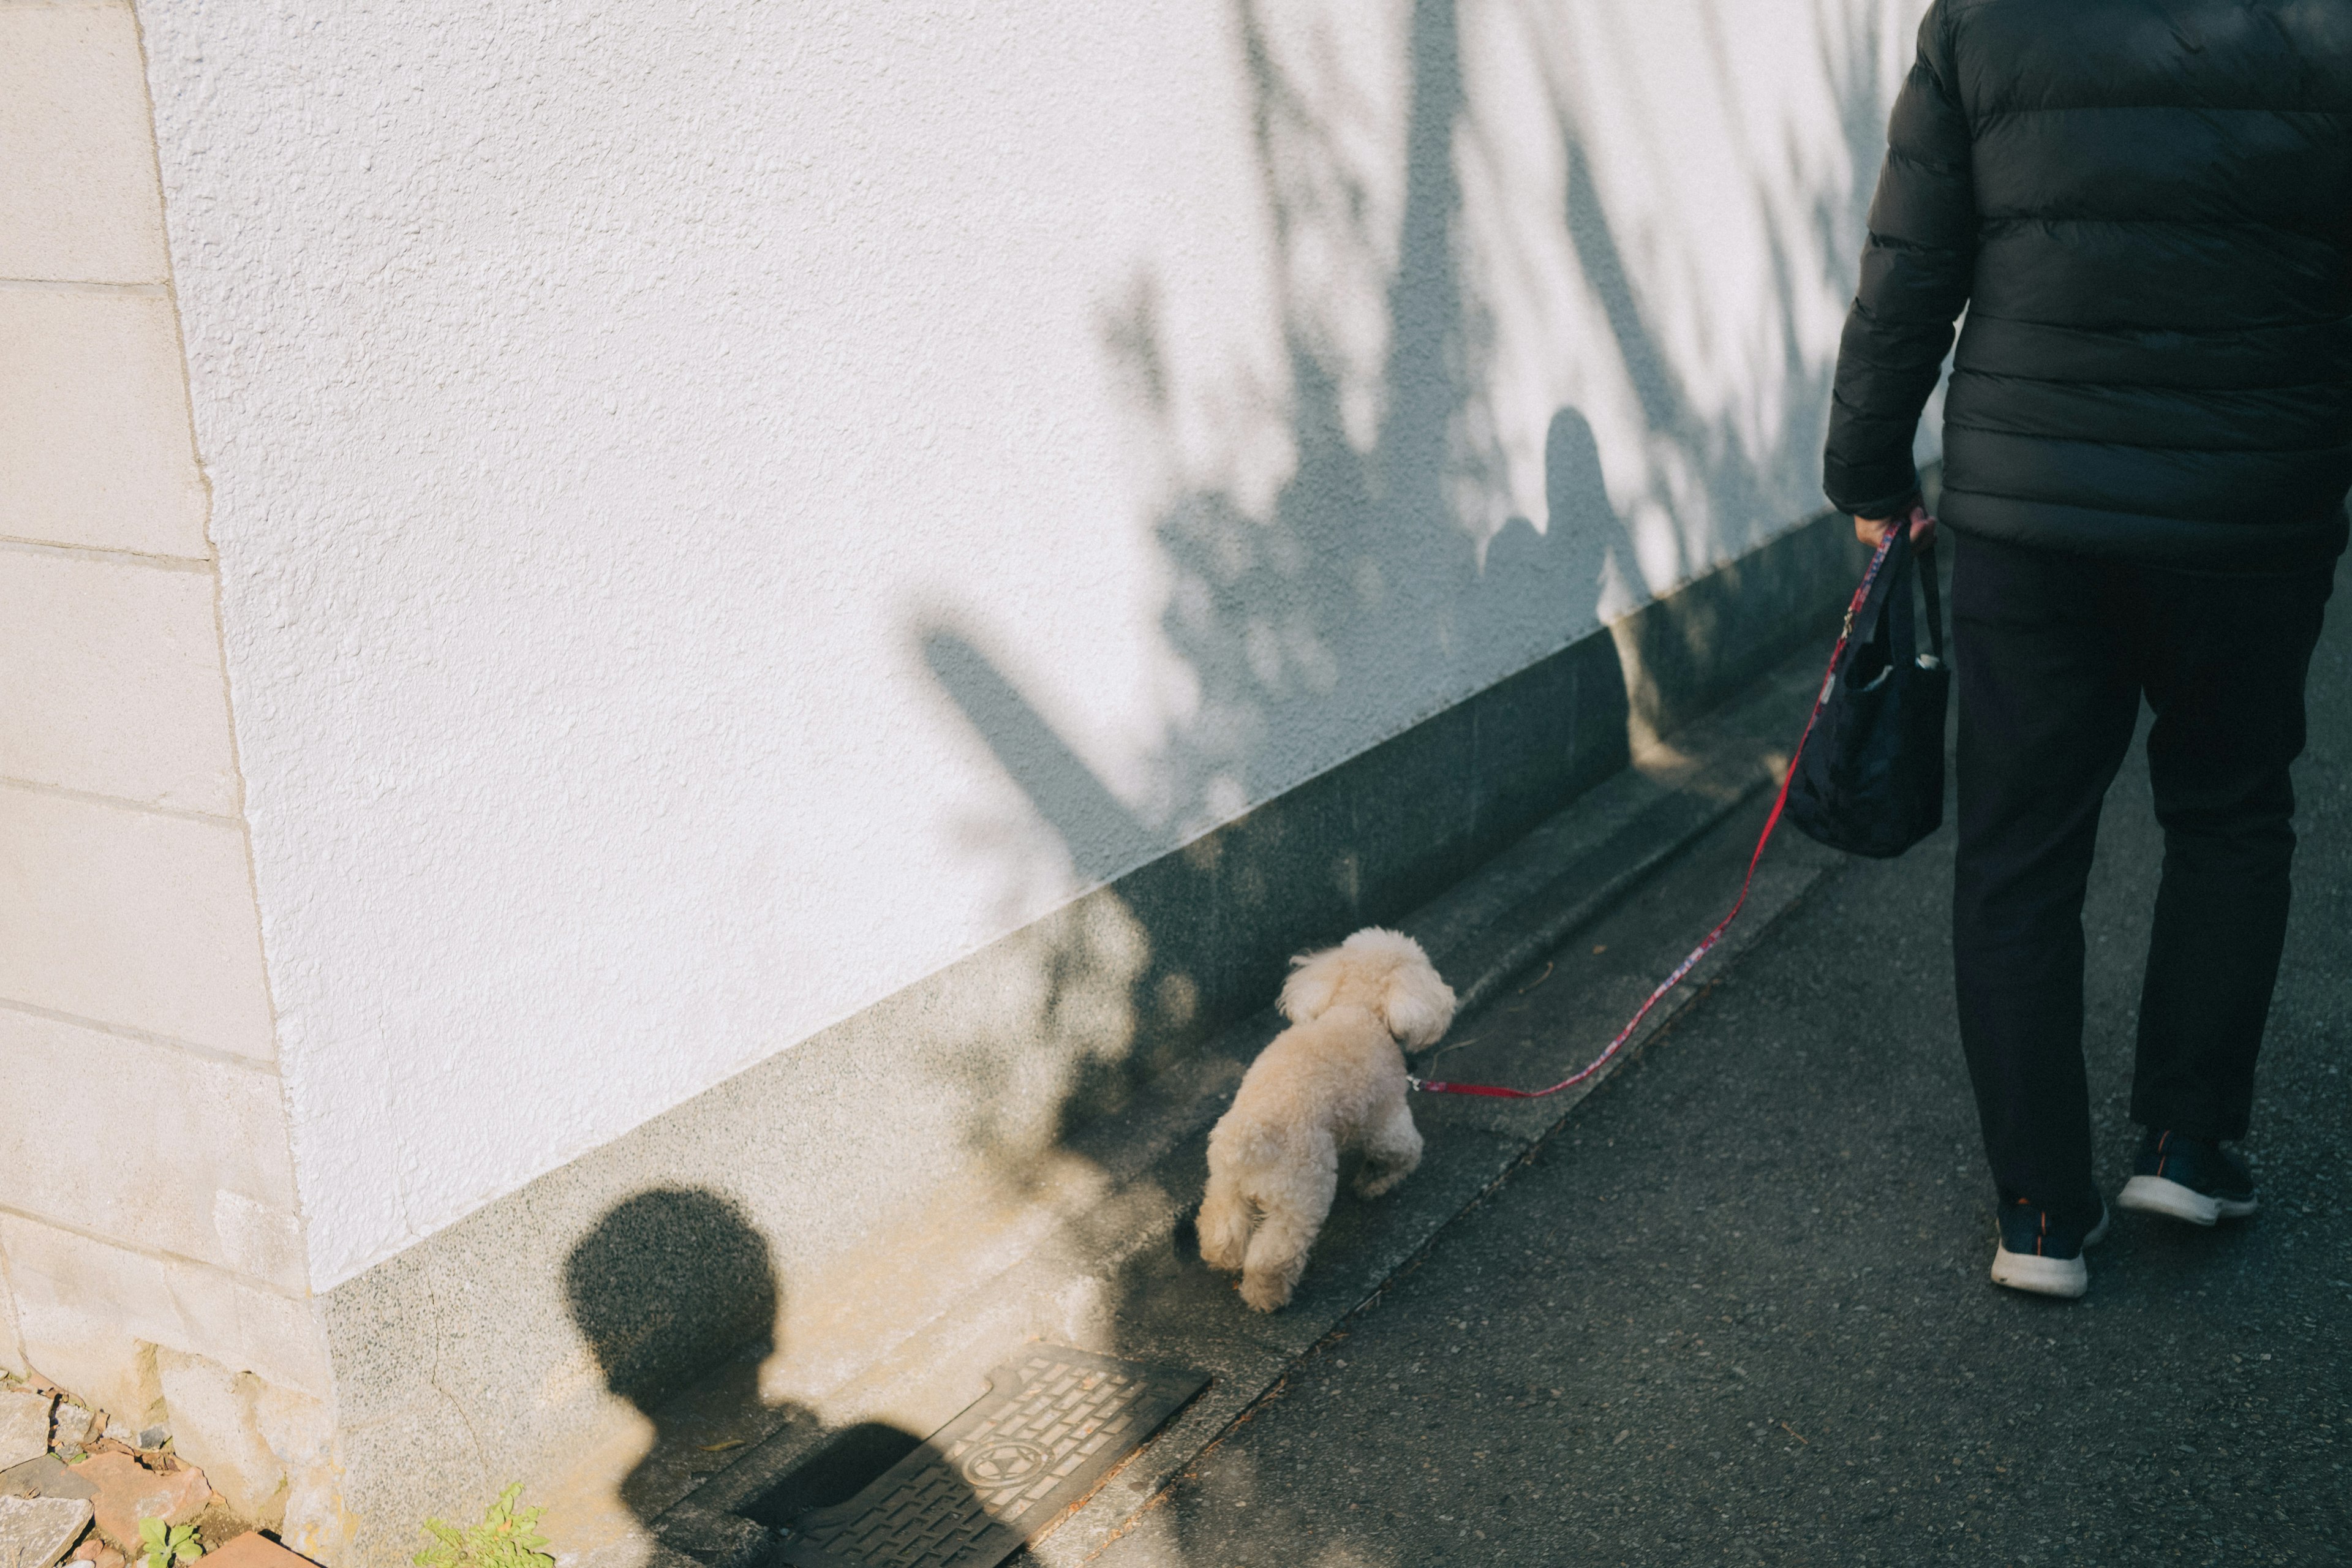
<point x="2145" y="209"/>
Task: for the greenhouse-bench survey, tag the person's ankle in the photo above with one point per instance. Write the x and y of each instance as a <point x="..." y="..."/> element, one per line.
<point x="2182" y="1177"/>
<point x="2150" y="1132"/>
<point x="2081" y="1211"/>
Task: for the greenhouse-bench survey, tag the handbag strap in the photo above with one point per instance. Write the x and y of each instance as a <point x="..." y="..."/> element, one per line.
<point x="1891" y="615"/>
<point x="1933" y="591"/>
<point x="1887" y="619"/>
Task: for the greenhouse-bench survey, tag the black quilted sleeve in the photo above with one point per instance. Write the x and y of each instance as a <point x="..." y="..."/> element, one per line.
<point x="1915" y="271"/>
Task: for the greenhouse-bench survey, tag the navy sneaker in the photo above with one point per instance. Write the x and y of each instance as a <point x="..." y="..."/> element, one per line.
<point x="2188" y="1178"/>
<point x="2041" y="1253"/>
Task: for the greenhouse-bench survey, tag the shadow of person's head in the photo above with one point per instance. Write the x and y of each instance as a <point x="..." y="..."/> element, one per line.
<point x="675" y="1295"/>
<point x="666" y="1285"/>
<point x="1576" y="489"/>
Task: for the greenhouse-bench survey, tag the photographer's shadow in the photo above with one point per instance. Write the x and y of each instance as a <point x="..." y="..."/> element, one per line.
<point x="676" y="1295"/>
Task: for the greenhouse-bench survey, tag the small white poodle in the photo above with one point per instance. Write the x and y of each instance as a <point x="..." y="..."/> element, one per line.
<point x="1334" y="1080"/>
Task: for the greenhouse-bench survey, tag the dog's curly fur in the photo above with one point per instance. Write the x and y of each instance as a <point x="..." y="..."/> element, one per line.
<point x="1334" y="1080"/>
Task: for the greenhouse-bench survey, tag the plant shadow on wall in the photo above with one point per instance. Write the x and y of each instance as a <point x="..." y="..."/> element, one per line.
<point x="1376" y="578"/>
<point x="1304" y="625"/>
<point x="676" y="1295"/>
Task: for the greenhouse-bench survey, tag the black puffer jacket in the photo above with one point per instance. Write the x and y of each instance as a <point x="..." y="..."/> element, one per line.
<point x="2146" y="207"/>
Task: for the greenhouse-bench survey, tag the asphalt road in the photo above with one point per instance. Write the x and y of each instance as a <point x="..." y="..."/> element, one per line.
<point x="1735" y="1310"/>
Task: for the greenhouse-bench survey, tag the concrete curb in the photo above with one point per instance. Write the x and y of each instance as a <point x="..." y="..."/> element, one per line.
<point x="1124" y="1280"/>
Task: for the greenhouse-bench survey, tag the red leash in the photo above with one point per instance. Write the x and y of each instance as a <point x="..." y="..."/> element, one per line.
<point x="1495" y="1091"/>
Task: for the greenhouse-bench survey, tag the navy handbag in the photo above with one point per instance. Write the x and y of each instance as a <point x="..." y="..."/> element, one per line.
<point x="1870" y="778"/>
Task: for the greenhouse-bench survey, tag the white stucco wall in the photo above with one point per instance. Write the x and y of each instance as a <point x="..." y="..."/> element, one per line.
<point x="723" y="508"/>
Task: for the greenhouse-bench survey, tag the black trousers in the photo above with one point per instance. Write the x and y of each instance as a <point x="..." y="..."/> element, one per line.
<point x="2053" y="653"/>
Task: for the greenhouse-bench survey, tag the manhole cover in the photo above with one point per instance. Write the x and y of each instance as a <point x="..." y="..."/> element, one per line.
<point x="1049" y="1426"/>
<point x="1003" y="1464"/>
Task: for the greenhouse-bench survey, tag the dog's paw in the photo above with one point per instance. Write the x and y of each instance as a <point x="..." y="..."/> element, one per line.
<point x="1265" y="1295"/>
<point x="1372" y="1184"/>
<point x="1224" y="1240"/>
<point x="1225" y="1259"/>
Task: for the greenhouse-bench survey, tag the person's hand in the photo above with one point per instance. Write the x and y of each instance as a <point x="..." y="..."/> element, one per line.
<point x="1873" y="532"/>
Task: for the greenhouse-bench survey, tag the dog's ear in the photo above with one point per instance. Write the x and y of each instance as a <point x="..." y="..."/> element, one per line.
<point x="1314" y="980"/>
<point x="1416" y="1004"/>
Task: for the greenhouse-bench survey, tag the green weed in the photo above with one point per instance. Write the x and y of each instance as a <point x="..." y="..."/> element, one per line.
<point x="507" y="1537"/>
<point x="167" y="1546"/>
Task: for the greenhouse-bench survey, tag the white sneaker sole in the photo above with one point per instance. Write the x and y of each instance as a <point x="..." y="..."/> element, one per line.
<point x="2063" y="1277"/>
<point x="2157" y="1194"/>
<point x="2067" y="1276"/>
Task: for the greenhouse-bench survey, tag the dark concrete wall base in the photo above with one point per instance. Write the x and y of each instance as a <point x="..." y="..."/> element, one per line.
<point x="729" y="1246"/>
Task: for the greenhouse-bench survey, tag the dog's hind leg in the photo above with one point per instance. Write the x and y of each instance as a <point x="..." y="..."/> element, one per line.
<point x="1295" y="1212"/>
<point x="1225" y="1222"/>
<point x="1392" y="1149"/>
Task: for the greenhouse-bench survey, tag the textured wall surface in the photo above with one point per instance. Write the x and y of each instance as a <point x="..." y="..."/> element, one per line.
<point x="723" y="509"/>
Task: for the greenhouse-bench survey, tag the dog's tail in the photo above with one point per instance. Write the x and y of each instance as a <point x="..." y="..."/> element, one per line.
<point x="1246" y="1143"/>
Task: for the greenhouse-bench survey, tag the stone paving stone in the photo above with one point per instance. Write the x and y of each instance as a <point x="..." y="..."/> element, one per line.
<point x="47" y="1476"/>
<point x="127" y="1492"/>
<point x="23" y="1428"/>
<point x="75" y="1426"/>
<point x="37" y="1532"/>
<point x="255" y="1550"/>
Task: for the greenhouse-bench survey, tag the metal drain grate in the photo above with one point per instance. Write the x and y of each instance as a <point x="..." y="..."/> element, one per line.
<point x="1049" y="1426"/>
